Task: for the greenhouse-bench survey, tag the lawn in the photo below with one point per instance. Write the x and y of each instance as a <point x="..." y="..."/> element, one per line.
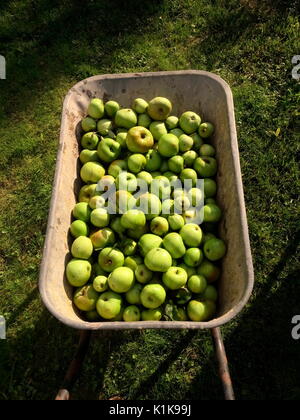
<point x="48" y="49"/>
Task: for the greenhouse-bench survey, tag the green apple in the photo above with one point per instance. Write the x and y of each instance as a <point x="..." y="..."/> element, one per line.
<point x="210" y="309"/>
<point x="92" y="316"/>
<point x="133" y="296"/>
<point x="206" y="130"/>
<point x="82" y="212"/>
<point x="97" y="202"/>
<point x="150" y="204"/>
<point x="82" y="248"/>
<point x="85" y="298"/>
<point x="210" y="200"/>
<point x="159" y="108"/>
<point x="196" y="197"/>
<point x="182" y="296"/>
<point x="121" y="139"/>
<point x="173" y="243"/>
<point x="186" y="143"/>
<point x="197" y="141"/>
<point x="154" y="161"/>
<point x="172" y="122"/>
<point x="136" y="163"/>
<point x="132" y="314"/>
<point x="210" y="271"/>
<point x="117" y="167"/>
<point x="79" y="228"/>
<point x="121" y="280"/>
<point x="103" y="238"/>
<point x="210" y="293"/>
<point x="191" y="235"/>
<point x="140" y="105"/>
<point x="129" y="247"/>
<point x="210" y="188"/>
<point x="161" y="187"/>
<point x="123" y="201"/>
<point x="189" y="174"/>
<point x="106" y="182"/>
<point x="142" y="274"/>
<point x="158" y="259"/>
<point x="176" y="221"/>
<point x="207" y="237"/>
<point x="133" y="261"/>
<point x="100" y="218"/>
<point x="109" y="150"/>
<point x="126" y="181"/>
<point x="104" y="127"/>
<point x="119" y="317"/>
<point x="78" y="272"/>
<point x="197" y="284"/>
<point x="189" y="122"/>
<point x="96" y="108"/>
<point x="175" y="278"/>
<point x="176" y="164"/>
<point x="139" y="140"/>
<point x="110" y="258"/>
<point x="87" y="192"/>
<point x="206" y="167"/>
<point x="126" y="118"/>
<point x="100" y="284"/>
<point x="168" y="145"/>
<point x="159" y="226"/>
<point x="88" y="124"/>
<point x="144" y="120"/>
<point x="97" y="270"/>
<point x="207" y="150"/>
<point x="181" y="201"/>
<point x="149" y="242"/>
<point x="87" y="155"/>
<point x="117" y="227"/>
<point x="167" y="208"/>
<point x="158" y="129"/>
<point x="137" y="233"/>
<point x="196" y="311"/>
<point x="214" y="249"/>
<point x="193" y="216"/>
<point x="111" y="108"/>
<point x="153" y="296"/>
<point x="212" y="213"/>
<point x="92" y="172"/>
<point x="152" y="314"/>
<point x="133" y="219"/>
<point x="177" y="132"/>
<point x="164" y="166"/>
<point x="173" y="178"/>
<point x="191" y="271"/>
<point x="89" y="141"/>
<point x="109" y="305"/>
<point x="193" y="257"/>
<point x="189" y="158"/>
<point x="145" y="176"/>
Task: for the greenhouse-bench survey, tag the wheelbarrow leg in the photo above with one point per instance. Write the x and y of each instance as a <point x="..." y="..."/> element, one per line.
<point x="75" y="367"/>
<point x="223" y="364"/>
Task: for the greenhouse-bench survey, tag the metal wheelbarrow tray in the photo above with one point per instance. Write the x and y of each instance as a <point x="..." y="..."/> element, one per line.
<point x="202" y="92"/>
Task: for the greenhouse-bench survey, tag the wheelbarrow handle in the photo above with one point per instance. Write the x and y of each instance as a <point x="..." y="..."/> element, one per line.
<point x="223" y="364"/>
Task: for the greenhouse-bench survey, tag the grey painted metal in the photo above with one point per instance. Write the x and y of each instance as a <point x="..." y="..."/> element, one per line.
<point x="199" y="91"/>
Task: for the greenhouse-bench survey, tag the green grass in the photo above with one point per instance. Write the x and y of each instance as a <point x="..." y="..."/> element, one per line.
<point x="48" y="49"/>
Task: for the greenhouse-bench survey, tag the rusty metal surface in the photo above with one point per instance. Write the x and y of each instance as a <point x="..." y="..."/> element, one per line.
<point x="199" y="91"/>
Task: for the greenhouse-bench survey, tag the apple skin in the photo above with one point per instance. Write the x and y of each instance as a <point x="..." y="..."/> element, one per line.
<point x="87" y="155"/>
<point x="117" y="227"/>
<point x="109" y="305"/>
<point x="172" y="122"/>
<point x="133" y="296"/>
<point x="82" y="248"/>
<point x="175" y="278"/>
<point x="181" y="201"/>
<point x="85" y="298"/>
<point x="210" y="293"/>
<point x="210" y="188"/>
<point x="189" y="158"/>
<point x="133" y="219"/>
<point x="196" y="311"/>
<point x="100" y="218"/>
<point x="173" y="243"/>
<point x="108" y="150"/>
<point x="176" y="164"/>
<point x="176" y="222"/>
<point x="97" y="202"/>
<point x="193" y="257"/>
<point x="206" y="130"/>
<point x="145" y="176"/>
<point x="189" y="122"/>
<point x="214" y="249"/>
<point x="123" y="201"/>
<point x="181" y="296"/>
<point x="137" y="233"/>
<point x="88" y="124"/>
<point x="139" y="140"/>
<point x="152" y="314"/>
<point x="82" y="212"/>
<point x="126" y="181"/>
<point x="167" y="208"/>
<point x="103" y="238"/>
<point x="186" y="143"/>
<point x="132" y="314"/>
<point x="171" y="177"/>
<point x="126" y="118"/>
<point x="206" y="166"/>
<point x="144" y="120"/>
<point x="87" y="192"/>
<point x="168" y="145"/>
<point x="111" y="108"/>
<point x="177" y="132"/>
<point x="191" y="271"/>
<point x="142" y="274"/>
<point x="136" y="163"/>
<point x="79" y="228"/>
<point x="117" y="167"/>
<point x="161" y="187"/>
<point x="159" y="226"/>
<point x="97" y="270"/>
<point x="197" y="284"/>
<point x="92" y="316"/>
<point x="207" y="150"/>
<point x="140" y="105"/>
<point x="153" y="296"/>
<point x="109" y="259"/>
<point x="104" y="127"/>
<point x="89" y="141"/>
<point x="100" y="284"/>
<point x="159" y="108"/>
<point x="191" y="235"/>
<point x="198" y="141"/>
<point x="158" y="259"/>
<point x="210" y="271"/>
<point x="189" y="174"/>
<point x="121" y="139"/>
<point x="158" y="129"/>
<point x="133" y="261"/>
<point x="78" y="272"/>
<point x="154" y="161"/>
<point x="92" y="172"/>
<point x="212" y="213"/>
<point x="149" y="242"/>
<point x="96" y="108"/>
<point x="121" y="280"/>
<point x="150" y="204"/>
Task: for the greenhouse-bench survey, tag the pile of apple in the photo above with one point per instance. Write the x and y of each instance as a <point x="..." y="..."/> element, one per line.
<point x="157" y="263"/>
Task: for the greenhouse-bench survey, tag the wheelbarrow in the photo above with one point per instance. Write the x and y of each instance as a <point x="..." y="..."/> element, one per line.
<point x="211" y="97"/>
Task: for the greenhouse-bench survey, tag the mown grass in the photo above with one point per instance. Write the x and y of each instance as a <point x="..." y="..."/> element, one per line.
<point x="48" y="49"/>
